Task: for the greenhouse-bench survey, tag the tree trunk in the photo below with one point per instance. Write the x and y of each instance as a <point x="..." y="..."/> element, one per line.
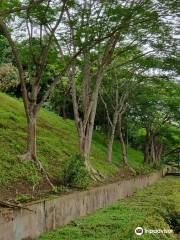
<point x="159" y="152"/>
<point x="146" y="156"/>
<point x="152" y="151"/>
<point x="85" y="138"/>
<point x="31" y="139"/>
<point x="122" y="143"/>
<point x="111" y="138"/>
<point x="64" y="107"/>
<point x="110" y="147"/>
<point x="84" y="141"/>
<point x="31" y="153"/>
<point x="147" y="148"/>
<point x="123" y="146"/>
<point x="150" y="147"/>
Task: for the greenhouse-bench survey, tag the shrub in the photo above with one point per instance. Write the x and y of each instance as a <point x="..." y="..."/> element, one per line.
<point x="23" y="198"/>
<point x="74" y="172"/>
<point x="8" y="77"/>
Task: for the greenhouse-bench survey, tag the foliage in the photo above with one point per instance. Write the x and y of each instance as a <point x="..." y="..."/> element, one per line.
<point x="156" y="109"/>
<point x="8" y="78"/>
<point x="5" y="51"/>
<point x="23" y="198"/>
<point x="59" y="100"/>
<point x="74" y="173"/>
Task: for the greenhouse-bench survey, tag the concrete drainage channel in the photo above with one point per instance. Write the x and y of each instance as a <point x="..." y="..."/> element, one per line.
<point x="48" y="214"/>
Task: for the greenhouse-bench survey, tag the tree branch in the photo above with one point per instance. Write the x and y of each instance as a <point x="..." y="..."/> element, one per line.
<point x="7" y="34"/>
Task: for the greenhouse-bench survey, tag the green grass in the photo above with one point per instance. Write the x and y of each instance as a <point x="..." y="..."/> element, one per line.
<point x="56" y="142"/>
<point x="149" y="208"/>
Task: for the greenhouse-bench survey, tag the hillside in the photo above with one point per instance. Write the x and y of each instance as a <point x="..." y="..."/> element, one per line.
<point x="56" y="140"/>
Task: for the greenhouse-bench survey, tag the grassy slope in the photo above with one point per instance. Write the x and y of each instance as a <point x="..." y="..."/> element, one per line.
<point x="57" y="140"/>
<point x="148" y="208"/>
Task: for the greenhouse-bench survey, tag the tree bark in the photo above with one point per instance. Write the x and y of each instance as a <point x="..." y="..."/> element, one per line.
<point x="84" y="141"/>
<point x="112" y="134"/>
<point x="147" y="147"/>
<point x="64" y="107"/>
<point x="31" y="146"/>
<point x="159" y="152"/>
<point x="122" y="143"/>
<point x="31" y="153"/>
<point x="152" y="150"/>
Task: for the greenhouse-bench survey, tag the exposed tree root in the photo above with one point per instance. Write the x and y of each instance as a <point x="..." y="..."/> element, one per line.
<point x="130" y="168"/>
<point x="94" y="174"/>
<point x="44" y="172"/>
<point x="12" y="205"/>
<point x="27" y="156"/>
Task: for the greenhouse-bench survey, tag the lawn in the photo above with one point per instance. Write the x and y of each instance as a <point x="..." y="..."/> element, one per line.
<point x="155" y="207"/>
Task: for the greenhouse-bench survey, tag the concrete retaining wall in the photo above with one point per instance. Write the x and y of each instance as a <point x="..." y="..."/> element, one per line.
<point x="21" y="224"/>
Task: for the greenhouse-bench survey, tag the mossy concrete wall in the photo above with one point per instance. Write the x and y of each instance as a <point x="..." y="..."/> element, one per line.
<point x="46" y="215"/>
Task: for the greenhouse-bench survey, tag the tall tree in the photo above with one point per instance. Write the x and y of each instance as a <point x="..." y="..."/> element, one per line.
<point x="100" y="27"/>
<point x="156" y="107"/>
<point x="117" y="91"/>
<point x="31" y="19"/>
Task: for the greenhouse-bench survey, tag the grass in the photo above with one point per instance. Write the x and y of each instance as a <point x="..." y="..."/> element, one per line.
<point x="150" y="208"/>
<point x="56" y="141"/>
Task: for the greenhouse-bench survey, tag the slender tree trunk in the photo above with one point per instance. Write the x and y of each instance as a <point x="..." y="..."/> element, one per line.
<point x="153" y="151"/>
<point x="159" y="150"/>
<point x="85" y="138"/>
<point x="64" y="107"/>
<point x="111" y="137"/>
<point x="146" y="147"/>
<point x="31" y="153"/>
<point x="31" y="139"/>
<point x="150" y="148"/>
<point x="122" y="143"/>
<point x="146" y="155"/>
<point x="84" y="141"/>
<point x="110" y="148"/>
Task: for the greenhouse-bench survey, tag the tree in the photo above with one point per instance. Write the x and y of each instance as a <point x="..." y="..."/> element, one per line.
<point x="97" y="28"/>
<point x="116" y="94"/>
<point x="32" y="18"/>
<point x="156" y="107"/>
<point x="115" y="103"/>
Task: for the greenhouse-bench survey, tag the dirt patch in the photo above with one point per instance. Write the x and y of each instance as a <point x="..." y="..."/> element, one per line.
<point x="123" y="174"/>
<point x="23" y="191"/>
<point x="17" y="190"/>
